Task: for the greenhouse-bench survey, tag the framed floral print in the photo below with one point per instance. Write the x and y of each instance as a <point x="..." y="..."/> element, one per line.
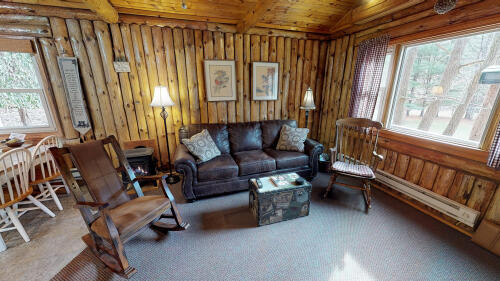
<point x="265" y="80"/>
<point x="220" y="80"/>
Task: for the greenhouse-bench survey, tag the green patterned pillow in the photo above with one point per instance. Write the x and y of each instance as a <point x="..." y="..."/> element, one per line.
<point x="202" y="146"/>
<point x="292" y="139"/>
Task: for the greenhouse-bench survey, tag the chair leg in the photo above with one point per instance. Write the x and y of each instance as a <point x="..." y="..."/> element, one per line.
<point x="54" y="196"/>
<point x="65" y="186"/>
<point x="41" y="206"/>
<point x="42" y="191"/>
<point x="15" y="220"/>
<point x="333" y="177"/>
<point x="367" y="194"/>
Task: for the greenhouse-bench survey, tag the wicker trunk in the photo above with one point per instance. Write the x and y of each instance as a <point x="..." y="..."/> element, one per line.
<point x="271" y="203"/>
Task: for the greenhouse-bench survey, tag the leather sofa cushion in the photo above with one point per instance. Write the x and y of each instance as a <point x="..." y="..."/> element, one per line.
<point x="219" y="168"/>
<point x="288" y="159"/>
<point x="218" y="132"/>
<point x="132" y="215"/>
<point x="245" y="136"/>
<point x="254" y="162"/>
<point x="271" y="131"/>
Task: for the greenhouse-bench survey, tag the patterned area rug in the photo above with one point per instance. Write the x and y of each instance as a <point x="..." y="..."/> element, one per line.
<point x="337" y="241"/>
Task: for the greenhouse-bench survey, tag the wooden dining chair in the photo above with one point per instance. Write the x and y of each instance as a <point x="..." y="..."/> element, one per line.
<point x="44" y="171"/>
<point x="15" y="190"/>
<point x="355" y="154"/>
<point x="113" y="217"/>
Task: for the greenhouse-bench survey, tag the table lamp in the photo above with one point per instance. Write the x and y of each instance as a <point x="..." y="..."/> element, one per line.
<point x="308" y="103"/>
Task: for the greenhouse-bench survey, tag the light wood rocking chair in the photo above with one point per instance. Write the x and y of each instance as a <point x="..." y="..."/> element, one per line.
<point x="355" y="154"/>
<point x="113" y="218"/>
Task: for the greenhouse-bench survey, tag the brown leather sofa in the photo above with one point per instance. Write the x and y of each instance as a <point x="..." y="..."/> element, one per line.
<point x="248" y="150"/>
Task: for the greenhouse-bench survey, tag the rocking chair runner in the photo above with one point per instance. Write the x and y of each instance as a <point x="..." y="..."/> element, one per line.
<point x="118" y="217"/>
<point x="355" y="154"/>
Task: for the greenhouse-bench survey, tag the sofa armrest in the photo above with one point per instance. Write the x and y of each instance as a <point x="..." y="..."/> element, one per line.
<point x="185" y="164"/>
<point x="313" y="149"/>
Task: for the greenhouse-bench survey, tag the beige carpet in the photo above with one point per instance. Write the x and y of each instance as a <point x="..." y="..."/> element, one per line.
<point x="337" y="241"/>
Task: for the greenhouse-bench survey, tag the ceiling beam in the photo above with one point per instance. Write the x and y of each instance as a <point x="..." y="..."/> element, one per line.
<point x="372" y="10"/>
<point x="104" y="9"/>
<point x="255" y="15"/>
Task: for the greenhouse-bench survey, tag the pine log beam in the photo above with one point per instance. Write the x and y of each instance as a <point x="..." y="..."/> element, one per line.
<point x="104" y="9"/>
<point x="255" y="15"/>
<point x="46" y="11"/>
<point x="372" y="10"/>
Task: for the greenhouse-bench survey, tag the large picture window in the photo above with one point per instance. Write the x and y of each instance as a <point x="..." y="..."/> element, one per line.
<point x="23" y="104"/>
<point x="437" y="93"/>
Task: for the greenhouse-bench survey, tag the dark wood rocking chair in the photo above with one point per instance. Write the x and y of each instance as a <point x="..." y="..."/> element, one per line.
<point x="113" y="217"/>
<point x="355" y="154"/>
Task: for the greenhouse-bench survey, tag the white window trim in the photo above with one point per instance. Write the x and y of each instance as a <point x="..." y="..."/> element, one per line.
<point x="426" y="134"/>
<point x="51" y="127"/>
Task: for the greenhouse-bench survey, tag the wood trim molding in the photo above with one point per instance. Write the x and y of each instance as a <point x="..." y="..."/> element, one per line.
<point x="472" y="161"/>
<point x="16" y="45"/>
<point x="446" y="148"/>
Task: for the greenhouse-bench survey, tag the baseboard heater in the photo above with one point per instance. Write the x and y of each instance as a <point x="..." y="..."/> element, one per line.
<point x="440" y="203"/>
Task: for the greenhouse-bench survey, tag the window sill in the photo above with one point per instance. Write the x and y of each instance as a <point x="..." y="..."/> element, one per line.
<point x="470" y="153"/>
<point x="35" y="137"/>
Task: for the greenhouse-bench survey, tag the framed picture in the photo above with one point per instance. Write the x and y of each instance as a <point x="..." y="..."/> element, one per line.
<point x="265" y="80"/>
<point x="220" y="80"/>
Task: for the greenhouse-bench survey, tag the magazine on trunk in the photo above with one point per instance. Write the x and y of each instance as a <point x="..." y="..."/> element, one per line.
<point x="284" y="180"/>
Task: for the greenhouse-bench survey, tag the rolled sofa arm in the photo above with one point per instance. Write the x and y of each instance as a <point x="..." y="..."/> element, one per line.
<point x="185" y="164"/>
<point x="314" y="150"/>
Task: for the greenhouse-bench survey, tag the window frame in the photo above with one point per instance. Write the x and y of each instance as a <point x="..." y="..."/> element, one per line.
<point x="395" y="70"/>
<point x="45" y="93"/>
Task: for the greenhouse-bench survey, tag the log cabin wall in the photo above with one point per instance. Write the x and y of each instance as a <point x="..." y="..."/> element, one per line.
<point x="459" y="174"/>
<point x="118" y="103"/>
<point x="173" y="55"/>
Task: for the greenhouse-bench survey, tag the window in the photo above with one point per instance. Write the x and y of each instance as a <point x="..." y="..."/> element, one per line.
<point x="23" y="105"/>
<point x="438" y="95"/>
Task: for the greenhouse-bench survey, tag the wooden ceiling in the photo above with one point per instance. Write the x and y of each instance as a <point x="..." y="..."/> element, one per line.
<point x="315" y="16"/>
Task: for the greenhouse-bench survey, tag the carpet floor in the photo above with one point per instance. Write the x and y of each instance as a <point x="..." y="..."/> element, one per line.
<point x="337" y="241"/>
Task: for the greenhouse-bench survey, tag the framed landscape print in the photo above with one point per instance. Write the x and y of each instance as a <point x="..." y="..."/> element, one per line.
<point x="265" y="80"/>
<point x="220" y="80"/>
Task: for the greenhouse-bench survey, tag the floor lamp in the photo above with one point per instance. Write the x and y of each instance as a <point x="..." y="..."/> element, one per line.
<point x="308" y="103"/>
<point x="162" y="99"/>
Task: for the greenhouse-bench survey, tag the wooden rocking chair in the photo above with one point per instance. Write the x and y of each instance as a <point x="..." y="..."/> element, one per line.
<point x="355" y="154"/>
<point x="113" y="218"/>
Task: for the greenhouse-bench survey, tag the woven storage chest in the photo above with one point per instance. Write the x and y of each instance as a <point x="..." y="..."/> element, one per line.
<point x="271" y="203"/>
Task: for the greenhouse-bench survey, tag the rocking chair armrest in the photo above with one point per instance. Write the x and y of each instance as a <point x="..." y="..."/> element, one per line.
<point x="80" y="204"/>
<point x="378" y="157"/>
<point x="148" y="178"/>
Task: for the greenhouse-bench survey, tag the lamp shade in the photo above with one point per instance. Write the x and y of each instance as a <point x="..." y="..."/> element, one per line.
<point x="437" y="90"/>
<point x="308" y="103"/>
<point x="161" y="97"/>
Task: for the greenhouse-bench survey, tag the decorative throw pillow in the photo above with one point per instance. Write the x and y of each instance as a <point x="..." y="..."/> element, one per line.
<point x="202" y="146"/>
<point x="292" y="139"/>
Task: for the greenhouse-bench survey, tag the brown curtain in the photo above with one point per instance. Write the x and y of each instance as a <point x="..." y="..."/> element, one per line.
<point x="494" y="157"/>
<point x="367" y="76"/>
